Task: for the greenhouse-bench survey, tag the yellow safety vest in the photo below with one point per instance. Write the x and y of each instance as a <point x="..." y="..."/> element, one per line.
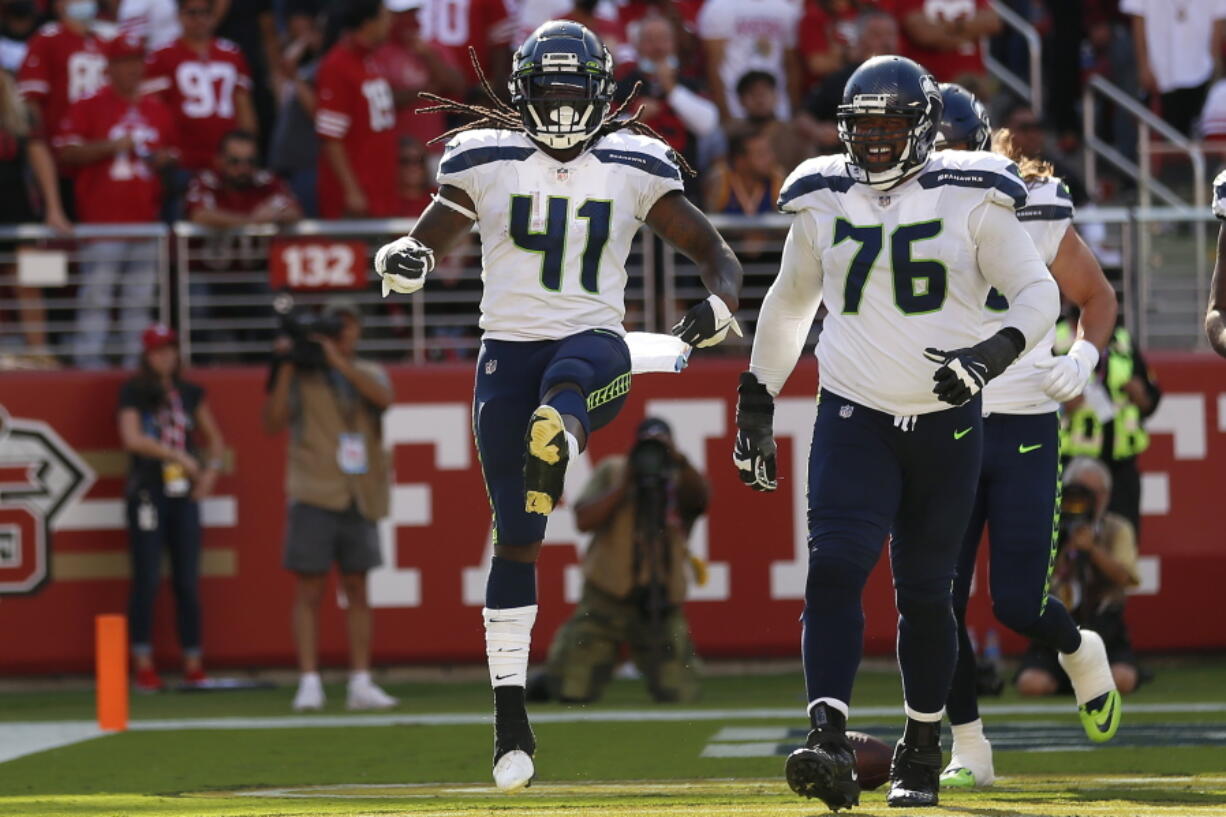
<point x="1081" y="432"/>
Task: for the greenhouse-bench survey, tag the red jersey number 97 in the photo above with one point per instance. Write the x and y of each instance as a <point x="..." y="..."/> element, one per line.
<point x="296" y="263"/>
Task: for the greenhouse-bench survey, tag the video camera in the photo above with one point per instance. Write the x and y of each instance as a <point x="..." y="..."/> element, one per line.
<point x="300" y="325"/>
<point x="1077" y="509"/>
<point x="651" y="459"/>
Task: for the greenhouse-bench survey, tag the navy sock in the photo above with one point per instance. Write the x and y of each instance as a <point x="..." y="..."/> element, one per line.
<point x="963" y="704"/>
<point x="510" y="584"/>
<point x="1055" y="628"/>
<point x="927" y="650"/>
<point x="571" y="402"/>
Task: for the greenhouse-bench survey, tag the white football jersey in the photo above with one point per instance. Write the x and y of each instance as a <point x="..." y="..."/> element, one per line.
<point x="555" y="235"/>
<point x="1219" y="195"/>
<point x="900" y="271"/>
<point x="1019" y="390"/>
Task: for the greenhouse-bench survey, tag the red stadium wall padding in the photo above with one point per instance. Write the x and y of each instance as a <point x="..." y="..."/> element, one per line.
<point x="429" y="595"/>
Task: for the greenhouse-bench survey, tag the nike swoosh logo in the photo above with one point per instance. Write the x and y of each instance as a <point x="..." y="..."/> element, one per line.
<point x="1026" y="449"/>
<point x="960" y="434"/>
<point x="500" y="677"/>
<point x="1102" y="720"/>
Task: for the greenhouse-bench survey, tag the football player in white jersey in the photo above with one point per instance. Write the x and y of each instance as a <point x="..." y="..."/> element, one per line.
<point x="1018" y="490"/>
<point x="1215" y="318"/>
<point x="558" y="186"/>
<point x="902" y="246"/>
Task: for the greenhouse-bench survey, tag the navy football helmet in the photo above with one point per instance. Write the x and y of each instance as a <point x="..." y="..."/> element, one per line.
<point x="964" y="120"/>
<point x="888" y="120"/>
<point x="562" y="84"/>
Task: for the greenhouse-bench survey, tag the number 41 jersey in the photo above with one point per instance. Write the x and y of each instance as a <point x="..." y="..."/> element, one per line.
<point x="900" y="270"/>
<point x="555" y="235"/>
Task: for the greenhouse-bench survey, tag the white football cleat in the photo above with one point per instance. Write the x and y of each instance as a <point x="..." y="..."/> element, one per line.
<point x="514" y="771"/>
<point x="368" y="695"/>
<point x="310" y="695"/>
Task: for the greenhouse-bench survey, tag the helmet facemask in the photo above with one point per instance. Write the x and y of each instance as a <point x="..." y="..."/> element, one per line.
<point x="562" y="103"/>
<point x="883" y="146"/>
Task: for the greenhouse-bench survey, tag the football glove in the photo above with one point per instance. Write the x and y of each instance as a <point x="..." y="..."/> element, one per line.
<point x="754" y="452"/>
<point x="403" y="265"/>
<point x="1068" y="375"/>
<point x="964" y="372"/>
<point x="707" y="323"/>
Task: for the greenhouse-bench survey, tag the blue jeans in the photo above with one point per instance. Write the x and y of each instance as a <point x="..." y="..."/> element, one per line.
<point x="176" y="528"/>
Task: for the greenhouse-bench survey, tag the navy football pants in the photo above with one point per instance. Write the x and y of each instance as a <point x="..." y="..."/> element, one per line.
<point x="870" y="475"/>
<point x="1018" y="499"/>
<point x="512" y="380"/>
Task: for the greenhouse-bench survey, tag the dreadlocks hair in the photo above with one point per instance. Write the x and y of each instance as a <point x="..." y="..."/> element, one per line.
<point x="499" y="114"/>
<point x="1031" y="168"/>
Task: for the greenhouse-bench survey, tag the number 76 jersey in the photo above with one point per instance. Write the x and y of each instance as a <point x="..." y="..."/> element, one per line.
<point x="900" y="270"/>
<point x="555" y="235"/>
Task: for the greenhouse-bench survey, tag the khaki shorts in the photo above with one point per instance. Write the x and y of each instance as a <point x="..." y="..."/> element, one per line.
<point x="316" y="538"/>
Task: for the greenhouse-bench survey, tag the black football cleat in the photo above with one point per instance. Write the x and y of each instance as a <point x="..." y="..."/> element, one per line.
<point x="915" y="772"/>
<point x="825" y="767"/>
<point x="514" y="743"/>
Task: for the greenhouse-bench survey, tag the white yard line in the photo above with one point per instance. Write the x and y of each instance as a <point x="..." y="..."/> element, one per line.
<point x="18" y="739"/>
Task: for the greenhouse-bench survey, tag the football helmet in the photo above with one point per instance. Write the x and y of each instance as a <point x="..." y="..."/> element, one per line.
<point x="888" y="120"/>
<point x="964" y="120"/>
<point x="562" y="84"/>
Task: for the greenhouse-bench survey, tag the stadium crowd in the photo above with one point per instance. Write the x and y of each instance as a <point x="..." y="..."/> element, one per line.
<point x="265" y="111"/>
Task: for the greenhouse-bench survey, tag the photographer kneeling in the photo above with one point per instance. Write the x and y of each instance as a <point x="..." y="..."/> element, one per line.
<point x="336" y="481"/>
<point x="640" y="509"/>
<point x="1095" y="565"/>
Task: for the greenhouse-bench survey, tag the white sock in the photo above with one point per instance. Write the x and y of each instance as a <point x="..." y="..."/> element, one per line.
<point x="1088" y="668"/>
<point x="923" y="717"/>
<point x="971" y="750"/>
<point x="359" y="677"/>
<point x="572" y="443"/>
<point x="309" y="678"/>
<point x="508" y="638"/>
<point x="833" y="703"/>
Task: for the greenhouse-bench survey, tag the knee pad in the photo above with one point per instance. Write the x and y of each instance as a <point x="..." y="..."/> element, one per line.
<point x="1016" y="611"/>
<point x="833" y="577"/>
<point x="568" y="370"/>
<point x="924" y="609"/>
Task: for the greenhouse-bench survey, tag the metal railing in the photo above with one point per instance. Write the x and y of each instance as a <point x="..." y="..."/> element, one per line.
<point x="1148" y="124"/>
<point x="1030" y="88"/>
<point x="81" y="297"/>
<point x="222" y="293"/>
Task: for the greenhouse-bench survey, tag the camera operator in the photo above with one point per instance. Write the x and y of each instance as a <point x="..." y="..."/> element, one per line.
<point x="639" y="508"/>
<point x="1096" y="563"/>
<point x="336" y="481"/>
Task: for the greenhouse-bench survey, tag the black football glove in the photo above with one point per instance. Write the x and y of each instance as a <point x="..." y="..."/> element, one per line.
<point x="707" y="323"/>
<point x="754" y="453"/>
<point x="403" y="265"/>
<point x="964" y="372"/>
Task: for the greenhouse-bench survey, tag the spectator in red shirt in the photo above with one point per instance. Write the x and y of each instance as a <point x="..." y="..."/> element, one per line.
<point x="412" y="65"/>
<point x="236" y="191"/>
<point x="486" y="25"/>
<point x="671" y="104"/>
<point x="414" y="188"/>
<point x="205" y="81"/>
<point x="119" y="141"/>
<point x="355" y="117"/>
<point x="64" y="63"/>
<point x="943" y="36"/>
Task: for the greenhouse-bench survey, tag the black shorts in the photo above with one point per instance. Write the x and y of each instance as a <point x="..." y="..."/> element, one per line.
<point x="316" y="538"/>
<point x="1109" y="624"/>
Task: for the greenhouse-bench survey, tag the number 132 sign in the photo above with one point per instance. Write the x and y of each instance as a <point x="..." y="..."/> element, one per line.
<point x="313" y="263"/>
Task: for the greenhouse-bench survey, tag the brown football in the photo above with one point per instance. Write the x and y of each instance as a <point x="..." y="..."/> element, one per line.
<point x="872" y="759"/>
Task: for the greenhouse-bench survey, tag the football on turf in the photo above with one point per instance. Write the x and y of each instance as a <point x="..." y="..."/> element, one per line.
<point x="872" y="759"/>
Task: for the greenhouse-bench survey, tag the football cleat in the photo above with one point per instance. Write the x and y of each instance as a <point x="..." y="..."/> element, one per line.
<point x="915" y="773"/>
<point x="545" y="461"/>
<point x="957" y="776"/>
<point x="1089" y="671"/>
<point x="825" y="767"/>
<point x="514" y="746"/>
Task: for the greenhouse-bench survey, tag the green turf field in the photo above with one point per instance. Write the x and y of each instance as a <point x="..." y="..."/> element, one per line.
<point x="244" y="753"/>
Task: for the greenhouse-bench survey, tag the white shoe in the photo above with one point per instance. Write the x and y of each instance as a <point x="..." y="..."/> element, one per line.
<point x="966" y="774"/>
<point x="514" y="771"/>
<point x="310" y="694"/>
<point x="368" y="695"/>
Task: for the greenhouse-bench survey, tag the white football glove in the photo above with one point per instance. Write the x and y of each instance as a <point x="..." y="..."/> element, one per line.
<point x="1068" y="375"/>
<point x="403" y="265"/>
<point x="707" y="323"/>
